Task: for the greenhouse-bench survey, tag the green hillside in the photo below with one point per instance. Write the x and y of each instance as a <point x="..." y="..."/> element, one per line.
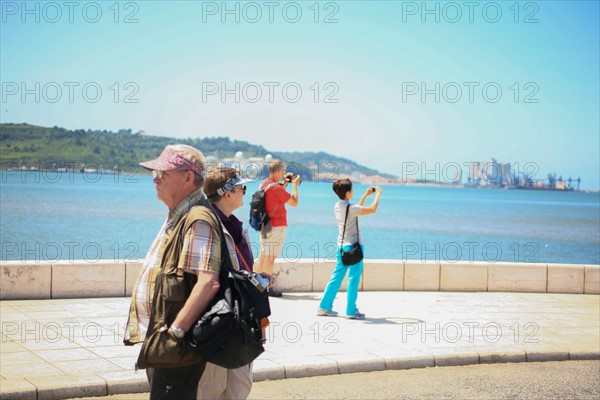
<point x="42" y="147"/>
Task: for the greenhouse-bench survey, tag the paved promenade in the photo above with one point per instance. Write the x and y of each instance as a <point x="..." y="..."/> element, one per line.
<point x="55" y="349"/>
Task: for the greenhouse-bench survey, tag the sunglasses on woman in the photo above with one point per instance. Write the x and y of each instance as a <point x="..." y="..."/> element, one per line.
<point x="243" y="187"/>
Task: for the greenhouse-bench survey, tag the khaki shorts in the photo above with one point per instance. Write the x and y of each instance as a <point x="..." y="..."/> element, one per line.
<point x="221" y="383"/>
<point x="271" y="243"/>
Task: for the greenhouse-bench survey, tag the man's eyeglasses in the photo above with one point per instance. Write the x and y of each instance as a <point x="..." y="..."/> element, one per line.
<point x="159" y="174"/>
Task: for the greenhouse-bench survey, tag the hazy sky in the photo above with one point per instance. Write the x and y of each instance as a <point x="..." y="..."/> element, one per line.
<point x="390" y="84"/>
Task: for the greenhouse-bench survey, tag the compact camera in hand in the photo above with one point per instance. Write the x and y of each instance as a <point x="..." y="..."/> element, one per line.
<point x="258" y="281"/>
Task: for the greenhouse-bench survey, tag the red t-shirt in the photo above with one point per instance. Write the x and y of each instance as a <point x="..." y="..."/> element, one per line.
<point x="276" y="196"/>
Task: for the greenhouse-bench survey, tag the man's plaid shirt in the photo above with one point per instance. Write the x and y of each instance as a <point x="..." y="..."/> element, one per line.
<point x="197" y="254"/>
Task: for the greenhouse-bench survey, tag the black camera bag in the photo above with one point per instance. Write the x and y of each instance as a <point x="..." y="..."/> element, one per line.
<point x="230" y="333"/>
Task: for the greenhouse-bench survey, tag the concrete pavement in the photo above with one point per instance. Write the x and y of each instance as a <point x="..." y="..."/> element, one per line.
<point x="54" y="349"/>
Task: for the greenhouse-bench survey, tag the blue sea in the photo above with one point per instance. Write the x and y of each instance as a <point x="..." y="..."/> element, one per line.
<point x="50" y="216"/>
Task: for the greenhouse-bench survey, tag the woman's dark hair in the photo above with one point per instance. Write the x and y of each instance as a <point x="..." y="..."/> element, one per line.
<point x="341" y="187"/>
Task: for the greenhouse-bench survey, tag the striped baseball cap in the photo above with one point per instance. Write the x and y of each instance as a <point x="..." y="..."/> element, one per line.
<point x="177" y="156"/>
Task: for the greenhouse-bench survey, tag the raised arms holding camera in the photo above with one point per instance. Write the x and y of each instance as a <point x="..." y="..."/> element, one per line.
<point x="377" y="191"/>
<point x="295" y="181"/>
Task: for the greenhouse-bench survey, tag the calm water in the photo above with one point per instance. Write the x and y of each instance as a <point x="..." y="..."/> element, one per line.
<point x="50" y="216"/>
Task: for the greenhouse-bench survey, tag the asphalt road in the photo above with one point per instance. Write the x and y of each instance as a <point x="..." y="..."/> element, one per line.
<point x="549" y="380"/>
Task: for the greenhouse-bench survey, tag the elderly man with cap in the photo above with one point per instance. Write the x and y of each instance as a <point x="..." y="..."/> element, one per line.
<point x="179" y="277"/>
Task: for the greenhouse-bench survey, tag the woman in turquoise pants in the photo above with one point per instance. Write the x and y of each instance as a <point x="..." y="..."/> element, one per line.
<point x="346" y="238"/>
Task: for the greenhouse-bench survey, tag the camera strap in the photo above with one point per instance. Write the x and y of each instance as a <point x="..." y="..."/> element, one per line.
<point x="241" y="257"/>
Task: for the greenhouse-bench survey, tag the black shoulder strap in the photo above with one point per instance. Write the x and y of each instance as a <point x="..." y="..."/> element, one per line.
<point x="226" y="265"/>
<point x="346" y="220"/>
<point x="225" y="260"/>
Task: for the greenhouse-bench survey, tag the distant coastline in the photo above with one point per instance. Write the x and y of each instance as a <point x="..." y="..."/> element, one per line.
<point x="95" y="174"/>
<point x="53" y="150"/>
<point x="30" y="147"/>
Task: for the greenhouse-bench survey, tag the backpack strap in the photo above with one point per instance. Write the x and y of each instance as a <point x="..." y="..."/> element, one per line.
<point x="269" y="186"/>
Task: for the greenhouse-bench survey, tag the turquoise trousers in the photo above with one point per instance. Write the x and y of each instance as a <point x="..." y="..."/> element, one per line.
<point x="355" y="273"/>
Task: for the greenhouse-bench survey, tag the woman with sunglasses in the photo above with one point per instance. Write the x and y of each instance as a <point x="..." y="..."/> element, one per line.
<point x="225" y="190"/>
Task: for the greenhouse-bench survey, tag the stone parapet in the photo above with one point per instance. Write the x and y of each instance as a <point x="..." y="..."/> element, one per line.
<point x="79" y="279"/>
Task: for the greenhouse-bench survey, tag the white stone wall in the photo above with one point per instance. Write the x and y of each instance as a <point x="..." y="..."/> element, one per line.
<point x="78" y="279"/>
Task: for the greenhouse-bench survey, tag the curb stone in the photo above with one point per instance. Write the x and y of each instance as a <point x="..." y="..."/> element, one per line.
<point x="584" y="355"/>
<point x="47" y="388"/>
<point x="552" y="355"/>
<point x="502" y="357"/>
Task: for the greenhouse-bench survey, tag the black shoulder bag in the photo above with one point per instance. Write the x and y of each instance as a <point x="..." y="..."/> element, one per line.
<point x="355" y="254"/>
<point x="230" y="333"/>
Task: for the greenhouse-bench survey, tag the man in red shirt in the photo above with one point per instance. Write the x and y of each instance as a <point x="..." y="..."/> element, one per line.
<point x="271" y="241"/>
